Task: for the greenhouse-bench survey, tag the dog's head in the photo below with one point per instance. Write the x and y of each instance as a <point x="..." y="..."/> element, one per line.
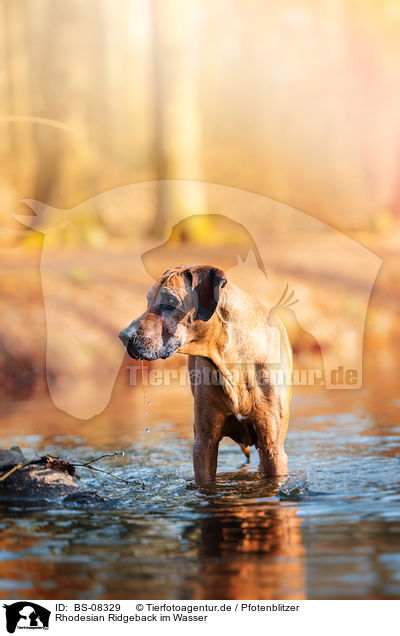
<point x="179" y="305"/>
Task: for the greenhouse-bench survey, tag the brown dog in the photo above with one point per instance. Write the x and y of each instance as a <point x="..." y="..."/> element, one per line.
<point x="236" y="349"/>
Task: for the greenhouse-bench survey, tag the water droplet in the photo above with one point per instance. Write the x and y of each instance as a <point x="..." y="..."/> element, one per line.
<point x="147" y="430"/>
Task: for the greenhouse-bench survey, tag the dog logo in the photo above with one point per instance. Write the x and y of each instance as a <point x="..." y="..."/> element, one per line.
<point x="26" y="615"/>
<point x="72" y="352"/>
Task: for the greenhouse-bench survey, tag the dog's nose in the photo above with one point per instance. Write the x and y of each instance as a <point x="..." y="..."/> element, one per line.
<point x="125" y="335"/>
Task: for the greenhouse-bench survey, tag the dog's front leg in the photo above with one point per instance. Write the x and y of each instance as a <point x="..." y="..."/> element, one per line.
<point x="271" y="431"/>
<point x="207" y="435"/>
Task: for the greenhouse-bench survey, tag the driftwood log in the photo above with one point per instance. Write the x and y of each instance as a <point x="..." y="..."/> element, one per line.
<point x="48" y="478"/>
<point x="41" y="479"/>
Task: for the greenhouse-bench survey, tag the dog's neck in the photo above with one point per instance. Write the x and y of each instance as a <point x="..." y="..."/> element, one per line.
<point x="233" y="351"/>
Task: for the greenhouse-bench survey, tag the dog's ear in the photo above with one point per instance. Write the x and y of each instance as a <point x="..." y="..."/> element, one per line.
<point x="207" y="283"/>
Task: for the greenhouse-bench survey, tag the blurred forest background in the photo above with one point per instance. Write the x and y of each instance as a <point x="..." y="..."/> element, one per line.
<point x="298" y="101"/>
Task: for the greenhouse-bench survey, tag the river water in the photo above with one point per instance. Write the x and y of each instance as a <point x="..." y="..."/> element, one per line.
<point x="331" y="531"/>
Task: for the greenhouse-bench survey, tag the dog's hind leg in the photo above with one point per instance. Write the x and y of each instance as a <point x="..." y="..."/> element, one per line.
<point x="271" y="431"/>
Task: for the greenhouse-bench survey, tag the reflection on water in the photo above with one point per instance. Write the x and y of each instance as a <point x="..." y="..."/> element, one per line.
<point x="332" y="532"/>
<point x="249" y="549"/>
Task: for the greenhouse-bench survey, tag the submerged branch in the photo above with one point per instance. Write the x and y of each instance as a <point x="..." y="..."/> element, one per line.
<point x="63" y="465"/>
<point x="10" y="472"/>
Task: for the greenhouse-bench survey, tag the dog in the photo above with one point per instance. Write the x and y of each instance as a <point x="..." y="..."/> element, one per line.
<point x="236" y="349"/>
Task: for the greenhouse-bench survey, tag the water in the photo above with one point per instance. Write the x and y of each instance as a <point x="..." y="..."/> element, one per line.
<point x="331" y="531"/>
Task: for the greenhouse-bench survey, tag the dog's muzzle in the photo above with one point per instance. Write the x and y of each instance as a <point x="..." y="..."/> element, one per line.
<point x="142" y="349"/>
<point x="128" y="340"/>
<point x="125" y="335"/>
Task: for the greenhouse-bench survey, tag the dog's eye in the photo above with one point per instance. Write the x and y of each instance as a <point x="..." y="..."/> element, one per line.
<point x="170" y="303"/>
